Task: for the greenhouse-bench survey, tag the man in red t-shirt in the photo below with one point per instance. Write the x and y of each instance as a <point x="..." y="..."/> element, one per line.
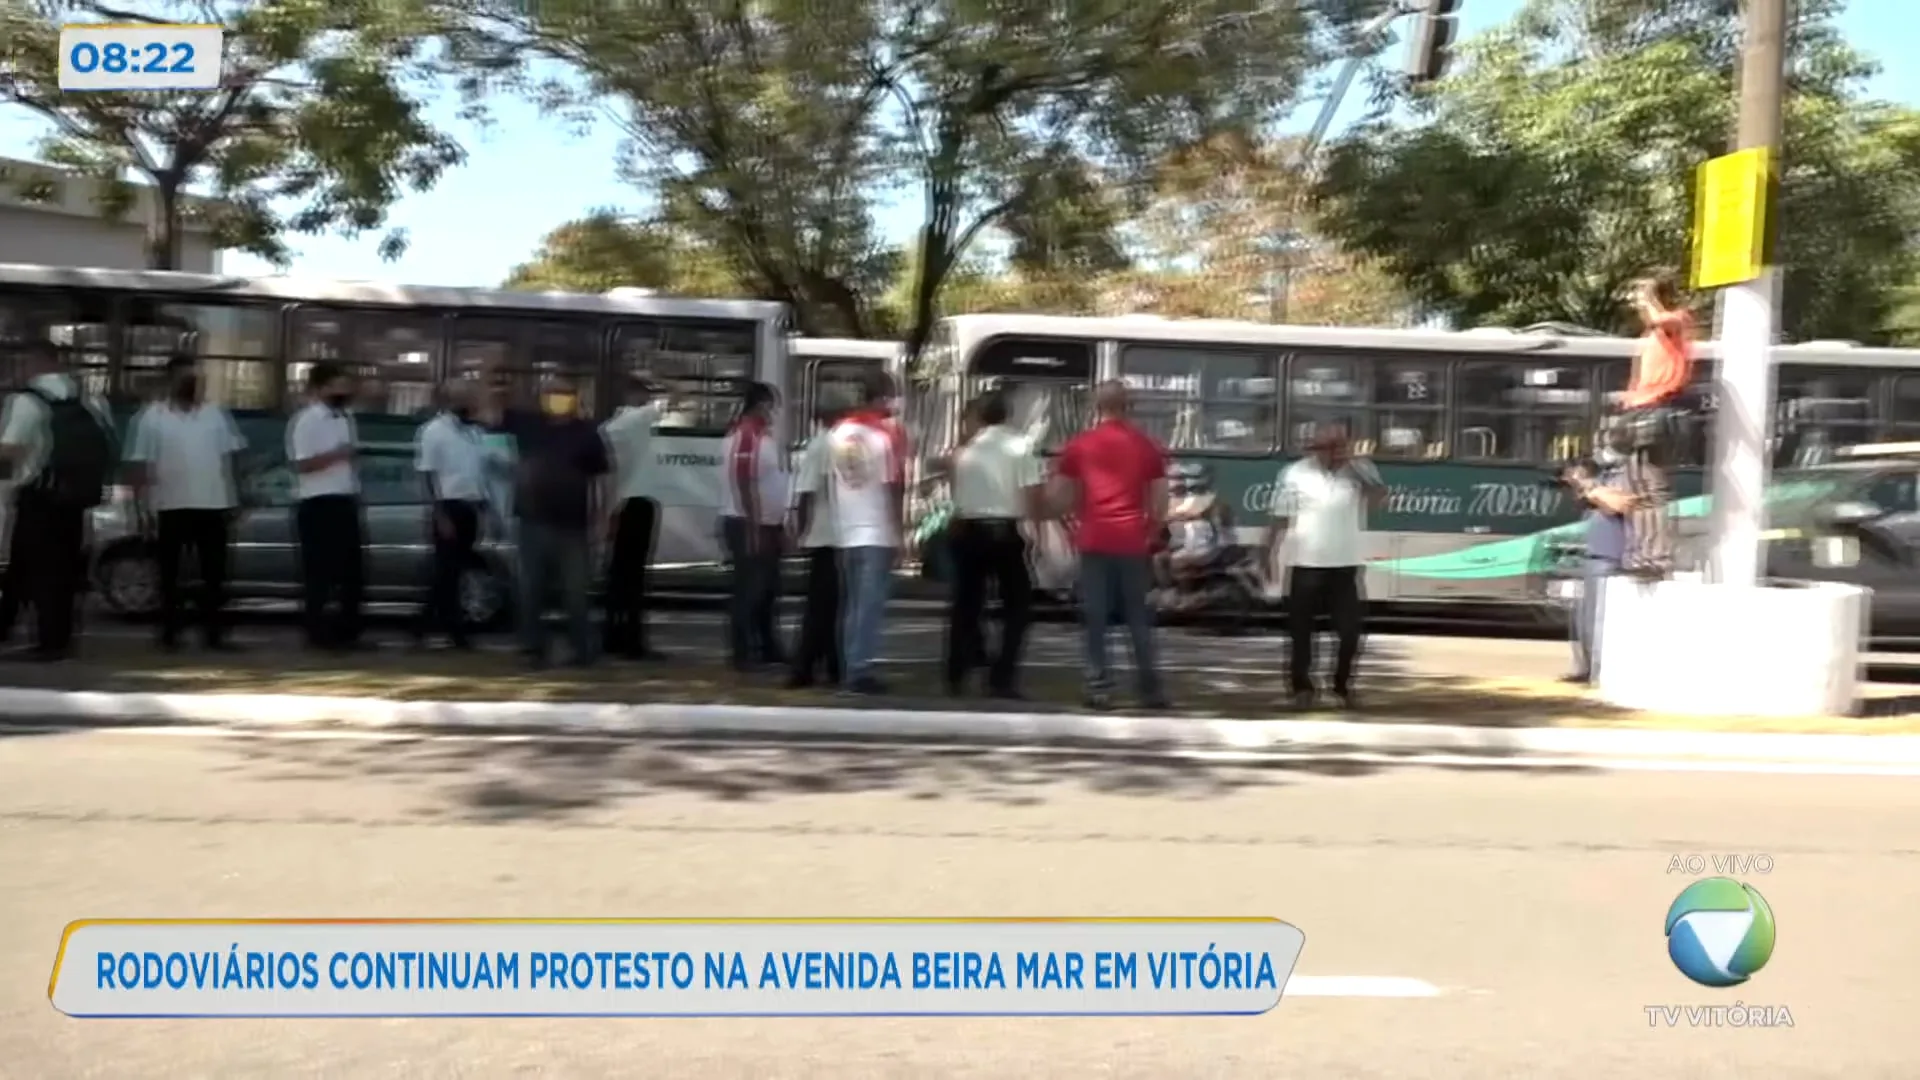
<point x="1113" y="479"/>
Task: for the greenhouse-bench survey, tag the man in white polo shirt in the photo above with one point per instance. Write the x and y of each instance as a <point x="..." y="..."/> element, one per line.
<point x="1319" y="512"/>
<point x="186" y="487"/>
<point x="321" y="442"/>
<point x="997" y="488"/>
<point x="812" y="525"/>
<point x="451" y="456"/>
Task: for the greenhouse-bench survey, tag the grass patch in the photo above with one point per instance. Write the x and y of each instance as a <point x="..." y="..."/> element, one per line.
<point x="1401" y="697"/>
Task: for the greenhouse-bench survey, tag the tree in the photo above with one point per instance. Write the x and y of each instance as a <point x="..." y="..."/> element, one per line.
<point x="1225" y="235"/>
<point x="1558" y="164"/>
<point x="606" y="250"/>
<point x="751" y="124"/>
<point x="776" y="123"/>
<point x="315" y="110"/>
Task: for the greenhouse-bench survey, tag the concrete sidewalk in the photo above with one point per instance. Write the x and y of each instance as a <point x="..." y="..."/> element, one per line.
<point x="1250" y="740"/>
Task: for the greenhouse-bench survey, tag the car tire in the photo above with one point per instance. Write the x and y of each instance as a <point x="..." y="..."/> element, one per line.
<point x="127" y="580"/>
<point x="486" y="596"/>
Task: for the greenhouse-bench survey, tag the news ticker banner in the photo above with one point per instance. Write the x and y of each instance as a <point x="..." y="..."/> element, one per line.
<point x="672" y="967"/>
<point x="141" y="56"/>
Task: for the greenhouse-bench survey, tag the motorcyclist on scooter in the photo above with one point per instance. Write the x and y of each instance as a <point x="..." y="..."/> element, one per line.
<point x="1199" y="533"/>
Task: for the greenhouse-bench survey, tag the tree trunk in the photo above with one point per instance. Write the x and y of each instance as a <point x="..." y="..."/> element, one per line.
<point x="163" y="227"/>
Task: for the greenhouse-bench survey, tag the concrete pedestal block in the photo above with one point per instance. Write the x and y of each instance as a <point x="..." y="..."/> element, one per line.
<point x="1700" y="649"/>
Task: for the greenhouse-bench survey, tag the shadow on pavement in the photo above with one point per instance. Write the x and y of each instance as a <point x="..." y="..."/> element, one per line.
<point x="481" y="780"/>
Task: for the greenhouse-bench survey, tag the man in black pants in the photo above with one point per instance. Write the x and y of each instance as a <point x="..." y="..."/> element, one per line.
<point x="753" y="511"/>
<point x="451" y="458"/>
<point x="1320" y="501"/>
<point x="812" y="528"/>
<point x="997" y="486"/>
<point x="185" y="481"/>
<point x="321" y="442"/>
<point x="635" y="523"/>
<point x="60" y="445"/>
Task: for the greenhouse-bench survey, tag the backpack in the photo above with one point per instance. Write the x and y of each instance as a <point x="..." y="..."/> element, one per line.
<point x="80" y="456"/>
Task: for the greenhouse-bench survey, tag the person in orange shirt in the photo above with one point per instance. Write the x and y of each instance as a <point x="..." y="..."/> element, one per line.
<point x="1664" y="367"/>
<point x="1662" y="373"/>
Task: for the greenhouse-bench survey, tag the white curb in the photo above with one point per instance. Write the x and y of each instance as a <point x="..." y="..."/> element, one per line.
<point x="1114" y="732"/>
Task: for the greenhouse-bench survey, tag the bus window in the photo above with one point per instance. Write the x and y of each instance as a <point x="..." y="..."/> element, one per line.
<point x="1325" y="390"/>
<point x="1050" y="411"/>
<point x="1516" y="410"/>
<point x="236" y="346"/>
<point x="75" y="323"/>
<point x="1409" y="399"/>
<point x="395" y="356"/>
<point x="841" y="383"/>
<point x="706" y="364"/>
<point x="1820" y="409"/>
<point x="1198" y="398"/>
<point x="1903" y="415"/>
<point x="528" y="353"/>
<point x="571" y="350"/>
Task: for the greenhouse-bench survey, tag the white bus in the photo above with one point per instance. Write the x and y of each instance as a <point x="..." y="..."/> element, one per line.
<point x="256" y="337"/>
<point x="1466" y="426"/>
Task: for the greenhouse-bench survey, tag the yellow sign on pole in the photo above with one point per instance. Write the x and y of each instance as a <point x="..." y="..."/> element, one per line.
<point x="1730" y="218"/>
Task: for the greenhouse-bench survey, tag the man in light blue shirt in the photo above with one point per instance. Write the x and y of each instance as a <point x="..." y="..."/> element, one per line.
<point x="452" y="459"/>
<point x="1609" y="499"/>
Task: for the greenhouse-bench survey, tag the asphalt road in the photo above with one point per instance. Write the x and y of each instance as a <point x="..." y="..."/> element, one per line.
<point x="1531" y="902"/>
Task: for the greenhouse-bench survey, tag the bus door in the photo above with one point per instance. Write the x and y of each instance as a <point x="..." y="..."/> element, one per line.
<point x="705" y="365"/>
<point x="1048" y="384"/>
<point x="833" y="380"/>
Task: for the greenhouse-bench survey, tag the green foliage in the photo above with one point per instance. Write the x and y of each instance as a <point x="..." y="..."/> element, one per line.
<point x="1558" y="163"/>
<point x="318" y="111"/>
<point x="605" y="251"/>
<point x="768" y="128"/>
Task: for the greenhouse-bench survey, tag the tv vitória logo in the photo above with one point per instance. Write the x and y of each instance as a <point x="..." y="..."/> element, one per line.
<point x="1719" y="932"/>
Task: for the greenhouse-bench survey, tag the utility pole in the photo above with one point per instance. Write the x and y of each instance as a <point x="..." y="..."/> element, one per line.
<point x="1428" y="61"/>
<point x="1750" y="318"/>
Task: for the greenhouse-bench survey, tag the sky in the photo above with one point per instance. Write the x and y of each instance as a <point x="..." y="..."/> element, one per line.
<point x="526" y="173"/>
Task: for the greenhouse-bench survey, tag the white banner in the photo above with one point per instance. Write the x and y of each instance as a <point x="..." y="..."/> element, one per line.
<point x="321" y="968"/>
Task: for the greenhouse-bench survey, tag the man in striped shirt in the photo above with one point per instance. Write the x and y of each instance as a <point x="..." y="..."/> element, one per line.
<point x="753" y="511"/>
<point x="1662" y="373"/>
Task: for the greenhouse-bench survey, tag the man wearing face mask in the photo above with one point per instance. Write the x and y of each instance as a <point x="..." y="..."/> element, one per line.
<point x="1610" y="501"/>
<point x="185" y="480"/>
<point x="451" y="458"/>
<point x="561" y="460"/>
<point x="321" y="441"/>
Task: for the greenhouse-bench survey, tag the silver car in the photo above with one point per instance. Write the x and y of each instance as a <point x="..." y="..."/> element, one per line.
<point x="265" y="560"/>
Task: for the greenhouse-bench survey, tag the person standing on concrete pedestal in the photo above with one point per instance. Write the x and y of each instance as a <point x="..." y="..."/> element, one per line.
<point x="1609" y="500"/>
<point x="1662" y="375"/>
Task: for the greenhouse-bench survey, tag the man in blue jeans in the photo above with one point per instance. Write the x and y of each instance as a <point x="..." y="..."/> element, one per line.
<point x="1609" y="499"/>
<point x="867" y="491"/>
<point x="559" y="465"/>
<point x="1112" y="479"/>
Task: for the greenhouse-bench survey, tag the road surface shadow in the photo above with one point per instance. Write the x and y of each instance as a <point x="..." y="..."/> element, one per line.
<point x="511" y="781"/>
